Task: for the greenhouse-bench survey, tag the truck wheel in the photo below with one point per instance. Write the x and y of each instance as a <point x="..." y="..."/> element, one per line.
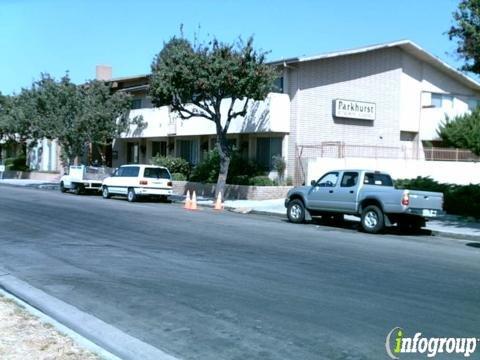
<point x="372" y="219"/>
<point x="296" y="211"/>
<point x="62" y="187"/>
<point x="105" y="192"/>
<point x="78" y="189"/>
<point x="131" y="196"/>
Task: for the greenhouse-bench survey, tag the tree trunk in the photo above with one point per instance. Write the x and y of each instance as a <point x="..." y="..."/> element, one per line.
<point x="223" y="151"/>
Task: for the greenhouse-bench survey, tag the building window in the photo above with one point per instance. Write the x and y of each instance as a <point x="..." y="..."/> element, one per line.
<point x="159" y="148"/>
<point x="133" y="156"/>
<point x="188" y="150"/>
<point x="408" y="136"/>
<point x="278" y="85"/>
<point x="232" y="143"/>
<point x="442" y="101"/>
<point x="472" y="104"/>
<point x="267" y="148"/>
<point x="136" y="104"/>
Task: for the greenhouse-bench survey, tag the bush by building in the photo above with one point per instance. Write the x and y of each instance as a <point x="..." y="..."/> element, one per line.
<point x="175" y="165"/>
<point x="239" y="173"/>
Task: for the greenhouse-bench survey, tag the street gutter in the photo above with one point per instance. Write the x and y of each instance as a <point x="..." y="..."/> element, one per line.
<point x="105" y="336"/>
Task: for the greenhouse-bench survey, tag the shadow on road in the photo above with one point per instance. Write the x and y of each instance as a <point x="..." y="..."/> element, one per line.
<point x="355" y="226"/>
<point x="474" y="244"/>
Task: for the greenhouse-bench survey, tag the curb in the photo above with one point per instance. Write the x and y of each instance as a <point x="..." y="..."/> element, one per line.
<point x="103" y="335"/>
<point x="455" y="235"/>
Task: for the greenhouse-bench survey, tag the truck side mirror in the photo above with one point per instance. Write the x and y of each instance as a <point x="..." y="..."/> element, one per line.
<point x="313" y="182"/>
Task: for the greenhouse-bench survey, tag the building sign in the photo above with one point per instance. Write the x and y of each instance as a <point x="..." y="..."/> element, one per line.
<point x="354" y="109"/>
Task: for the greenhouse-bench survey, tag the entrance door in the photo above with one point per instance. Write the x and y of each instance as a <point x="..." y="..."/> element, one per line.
<point x="133" y="153"/>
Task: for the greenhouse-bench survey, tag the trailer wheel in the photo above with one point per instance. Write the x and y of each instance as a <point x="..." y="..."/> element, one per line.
<point x="78" y="189"/>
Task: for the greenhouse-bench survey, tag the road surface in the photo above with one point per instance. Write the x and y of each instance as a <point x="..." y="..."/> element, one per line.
<point x="219" y="285"/>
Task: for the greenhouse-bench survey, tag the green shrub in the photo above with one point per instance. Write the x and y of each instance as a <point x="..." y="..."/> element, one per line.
<point x="458" y="199"/>
<point x="179" y="177"/>
<point x="239" y="171"/>
<point x="18" y="163"/>
<point x="174" y="164"/>
<point x="279" y="165"/>
<point x="262" y="181"/>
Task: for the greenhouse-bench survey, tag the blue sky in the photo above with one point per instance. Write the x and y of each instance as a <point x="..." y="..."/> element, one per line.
<point x="58" y="35"/>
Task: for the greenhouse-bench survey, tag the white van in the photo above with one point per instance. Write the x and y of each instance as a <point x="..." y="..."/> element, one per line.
<point x="138" y="180"/>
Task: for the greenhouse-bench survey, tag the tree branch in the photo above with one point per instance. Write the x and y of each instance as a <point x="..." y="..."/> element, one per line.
<point x="231" y="115"/>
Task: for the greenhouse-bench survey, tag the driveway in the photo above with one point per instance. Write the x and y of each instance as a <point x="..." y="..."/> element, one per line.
<point x="219" y="285"/>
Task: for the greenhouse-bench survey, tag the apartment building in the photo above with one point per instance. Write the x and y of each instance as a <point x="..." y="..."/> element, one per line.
<point x="388" y="98"/>
<point x="383" y="100"/>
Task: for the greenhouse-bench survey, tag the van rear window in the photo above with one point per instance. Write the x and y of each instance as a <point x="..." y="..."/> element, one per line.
<point x="156" y="173"/>
<point x="377" y="179"/>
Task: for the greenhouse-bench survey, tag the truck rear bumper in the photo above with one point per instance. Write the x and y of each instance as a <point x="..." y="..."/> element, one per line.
<point x="427" y="213"/>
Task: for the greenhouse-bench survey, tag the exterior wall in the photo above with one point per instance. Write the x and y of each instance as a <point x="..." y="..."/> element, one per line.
<point x="370" y="77"/>
<point x="443" y="171"/>
<point x="270" y="115"/>
<point x="419" y="80"/>
<point x="45" y="156"/>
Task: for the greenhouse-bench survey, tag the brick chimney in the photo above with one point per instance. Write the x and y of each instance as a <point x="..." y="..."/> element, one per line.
<point x="103" y="73"/>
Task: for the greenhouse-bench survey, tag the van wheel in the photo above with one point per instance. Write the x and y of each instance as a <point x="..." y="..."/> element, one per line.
<point x="296" y="211"/>
<point x="372" y="219"/>
<point x="62" y="187"/>
<point x="131" y="197"/>
<point x="105" y="192"/>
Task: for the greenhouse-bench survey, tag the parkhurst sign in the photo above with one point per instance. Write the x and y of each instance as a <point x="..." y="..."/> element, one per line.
<point x="354" y="109"/>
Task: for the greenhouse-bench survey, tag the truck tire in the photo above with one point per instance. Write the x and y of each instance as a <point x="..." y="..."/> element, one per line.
<point x="62" y="187"/>
<point x="296" y="211"/>
<point x="372" y="220"/>
<point x="131" y="196"/>
<point x="105" y="192"/>
<point x="78" y="189"/>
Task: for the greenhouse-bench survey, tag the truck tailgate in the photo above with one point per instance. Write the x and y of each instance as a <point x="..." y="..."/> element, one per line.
<point x="426" y="200"/>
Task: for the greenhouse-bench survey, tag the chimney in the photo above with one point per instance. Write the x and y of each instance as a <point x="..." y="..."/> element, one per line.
<point x="103" y="73"/>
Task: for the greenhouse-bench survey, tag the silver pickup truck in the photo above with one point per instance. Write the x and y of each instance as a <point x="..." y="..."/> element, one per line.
<point x="368" y="194"/>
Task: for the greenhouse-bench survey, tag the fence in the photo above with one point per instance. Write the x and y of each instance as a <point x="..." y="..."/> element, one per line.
<point x="341" y="150"/>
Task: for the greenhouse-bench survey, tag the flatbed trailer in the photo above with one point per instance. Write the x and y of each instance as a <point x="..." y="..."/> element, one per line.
<point x="81" y="178"/>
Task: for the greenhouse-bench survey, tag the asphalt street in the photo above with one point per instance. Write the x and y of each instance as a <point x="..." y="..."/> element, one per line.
<point x="220" y="285"/>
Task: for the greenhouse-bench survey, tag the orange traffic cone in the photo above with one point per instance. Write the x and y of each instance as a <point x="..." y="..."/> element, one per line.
<point x="193" y="206"/>
<point x="218" y="203"/>
<point x="188" y="202"/>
